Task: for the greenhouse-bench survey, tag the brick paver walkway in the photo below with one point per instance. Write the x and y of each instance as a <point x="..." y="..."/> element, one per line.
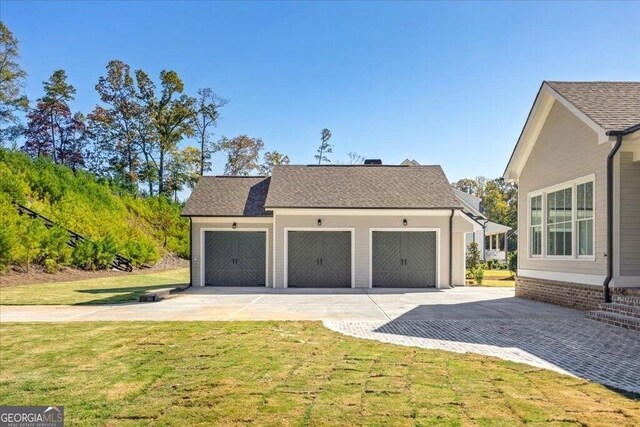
<point x="591" y="350"/>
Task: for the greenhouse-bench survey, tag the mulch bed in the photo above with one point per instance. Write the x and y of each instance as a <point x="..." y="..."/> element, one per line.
<point x="17" y="277"/>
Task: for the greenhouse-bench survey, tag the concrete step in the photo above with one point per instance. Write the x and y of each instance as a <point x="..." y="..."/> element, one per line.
<point x="627" y="310"/>
<point x="628" y="322"/>
<point x="626" y="300"/>
<point x="160" y="294"/>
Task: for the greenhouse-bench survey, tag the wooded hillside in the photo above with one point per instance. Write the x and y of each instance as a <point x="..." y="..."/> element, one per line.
<point x="141" y="228"/>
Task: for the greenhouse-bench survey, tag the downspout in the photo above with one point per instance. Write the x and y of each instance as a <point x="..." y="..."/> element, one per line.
<point x="453" y="211"/>
<point x="190" y="251"/>
<point x="610" y="158"/>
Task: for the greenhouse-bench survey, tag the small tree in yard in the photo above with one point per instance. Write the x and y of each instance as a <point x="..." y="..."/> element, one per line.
<point x="513" y="262"/>
<point x="478" y="274"/>
<point x="473" y="256"/>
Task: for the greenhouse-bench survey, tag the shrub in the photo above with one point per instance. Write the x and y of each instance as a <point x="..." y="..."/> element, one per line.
<point x="54" y="251"/>
<point x="6" y="246"/>
<point x="490" y="263"/>
<point x="140" y="252"/>
<point x="478" y="274"/>
<point x="513" y="262"/>
<point x="473" y="255"/>
<point x="97" y="255"/>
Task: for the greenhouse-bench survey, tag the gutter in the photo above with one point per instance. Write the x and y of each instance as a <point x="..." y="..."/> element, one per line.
<point x="610" y="158"/>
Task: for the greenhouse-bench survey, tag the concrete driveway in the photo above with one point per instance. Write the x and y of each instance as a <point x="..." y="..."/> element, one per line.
<point x="217" y="303"/>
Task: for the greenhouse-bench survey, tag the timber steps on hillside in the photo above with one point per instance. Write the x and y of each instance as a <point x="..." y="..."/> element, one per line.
<point x="119" y="263"/>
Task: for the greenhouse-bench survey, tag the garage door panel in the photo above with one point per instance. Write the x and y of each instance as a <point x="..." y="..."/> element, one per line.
<point x="219" y="268"/>
<point x="319" y="259"/>
<point x="336" y="259"/>
<point x="234" y="258"/>
<point x="386" y="259"/>
<point x="251" y="264"/>
<point x="403" y="259"/>
<point x="303" y="258"/>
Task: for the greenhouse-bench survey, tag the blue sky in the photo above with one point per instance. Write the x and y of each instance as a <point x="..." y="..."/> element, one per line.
<point x="443" y="83"/>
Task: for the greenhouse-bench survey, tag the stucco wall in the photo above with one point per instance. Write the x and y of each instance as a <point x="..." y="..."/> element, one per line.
<point x="566" y="149"/>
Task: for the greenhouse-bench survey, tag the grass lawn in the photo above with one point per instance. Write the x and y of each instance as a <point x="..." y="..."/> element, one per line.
<point x="498" y="279"/>
<point x="103" y="290"/>
<point x="280" y="373"/>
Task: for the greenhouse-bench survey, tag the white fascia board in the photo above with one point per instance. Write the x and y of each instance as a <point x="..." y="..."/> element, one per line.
<point x="474" y="224"/>
<point x="227" y="219"/>
<point x="362" y="212"/>
<point x="539" y="112"/>
<point x="536" y="120"/>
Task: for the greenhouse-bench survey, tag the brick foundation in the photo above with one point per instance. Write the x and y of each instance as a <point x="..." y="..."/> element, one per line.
<point x="566" y="294"/>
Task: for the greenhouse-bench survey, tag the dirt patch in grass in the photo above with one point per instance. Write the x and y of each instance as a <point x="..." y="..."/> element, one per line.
<point x="280" y="373"/>
<point x="36" y="275"/>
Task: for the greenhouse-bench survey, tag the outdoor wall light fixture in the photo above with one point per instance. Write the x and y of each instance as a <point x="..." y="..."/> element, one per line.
<point x="405" y="222"/>
<point x="319" y="222"/>
<point x="234" y="225"/>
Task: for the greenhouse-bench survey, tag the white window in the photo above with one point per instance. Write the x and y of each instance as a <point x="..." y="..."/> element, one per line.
<point x="559" y="223"/>
<point x="562" y="221"/>
<point x="585" y="219"/>
<point x="535" y="229"/>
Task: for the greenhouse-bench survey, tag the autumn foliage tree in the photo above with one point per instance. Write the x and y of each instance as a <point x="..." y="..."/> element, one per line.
<point x="243" y="154"/>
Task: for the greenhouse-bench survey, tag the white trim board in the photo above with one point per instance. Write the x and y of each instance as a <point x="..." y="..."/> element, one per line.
<point x="585" y="279"/>
<point x="352" y="230"/>
<point x="231" y="219"/>
<point x="362" y="212"/>
<point x="436" y="230"/>
<point x="238" y="230"/>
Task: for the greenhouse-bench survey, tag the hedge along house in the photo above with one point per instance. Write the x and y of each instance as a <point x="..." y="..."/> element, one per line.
<point x="329" y="226"/>
<point x="577" y="165"/>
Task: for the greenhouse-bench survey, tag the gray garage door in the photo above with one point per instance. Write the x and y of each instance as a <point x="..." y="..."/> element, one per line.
<point x="319" y="259"/>
<point x="404" y="259"/>
<point x="234" y="258"/>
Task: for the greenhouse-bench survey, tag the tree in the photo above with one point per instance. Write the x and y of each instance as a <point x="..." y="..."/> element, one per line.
<point x="355" y="158"/>
<point x="473" y="256"/>
<point x="325" y="147"/>
<point x="243" y="154"/>
<point x="52" y="130"/>
<point x="12" y="78"/>
<point x="114" y="125"/>
<point x="173" y="118"/>
<point x="208" y="106"/>
<point x="466" y="185"/>
<point x="183" y="169"/>
<point x="271" y="159"/>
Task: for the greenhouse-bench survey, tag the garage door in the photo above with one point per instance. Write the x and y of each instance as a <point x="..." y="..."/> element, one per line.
<point x="404" y="259"/>
<point x="235" y="258"/>
<point x="319" y="259"/>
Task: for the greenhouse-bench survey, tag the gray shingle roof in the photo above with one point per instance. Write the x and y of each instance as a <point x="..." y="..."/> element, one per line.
<point x="612" y="105"/>
<point x="228" y="196"/>
<point x="383" y="187"/>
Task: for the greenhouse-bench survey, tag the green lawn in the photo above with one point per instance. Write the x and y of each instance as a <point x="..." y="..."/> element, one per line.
<point x="280" y="373"/>
<point x="103" y="290"/>
<point x="498" y="279"/>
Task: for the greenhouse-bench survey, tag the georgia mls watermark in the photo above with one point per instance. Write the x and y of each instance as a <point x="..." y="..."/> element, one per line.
<point x="31" y="416"/>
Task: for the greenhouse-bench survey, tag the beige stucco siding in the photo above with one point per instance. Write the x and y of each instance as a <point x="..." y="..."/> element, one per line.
<point x="566" y="149"/>
<point x="225" y="224"/>
<point x="362" y="226"/>
<point x="629" y="215"/>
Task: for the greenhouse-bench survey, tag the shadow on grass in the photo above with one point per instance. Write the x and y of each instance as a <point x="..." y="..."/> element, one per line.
<point x="122" y="294"/>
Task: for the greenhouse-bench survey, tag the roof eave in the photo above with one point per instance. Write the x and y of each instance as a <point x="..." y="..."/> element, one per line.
<point x="545" y="98"/>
